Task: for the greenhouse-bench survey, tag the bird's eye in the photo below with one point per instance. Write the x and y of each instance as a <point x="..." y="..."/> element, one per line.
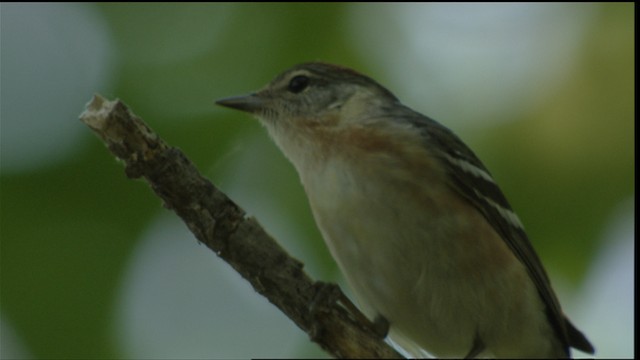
<point x="298" y="83"/>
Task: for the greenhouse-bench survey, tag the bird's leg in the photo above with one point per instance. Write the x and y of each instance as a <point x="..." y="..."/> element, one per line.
<point x="380" y="326"/>
<point x="476" y="348"/>
<point x="327" y="293"/>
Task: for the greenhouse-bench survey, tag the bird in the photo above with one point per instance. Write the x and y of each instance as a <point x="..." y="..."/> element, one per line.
<point x="423" y="235"/>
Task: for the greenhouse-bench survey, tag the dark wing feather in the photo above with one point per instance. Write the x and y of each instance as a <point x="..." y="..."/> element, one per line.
<point x="487" y="197"/>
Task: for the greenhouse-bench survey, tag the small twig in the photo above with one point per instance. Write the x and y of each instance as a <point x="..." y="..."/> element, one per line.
<point x="223" y="227"/>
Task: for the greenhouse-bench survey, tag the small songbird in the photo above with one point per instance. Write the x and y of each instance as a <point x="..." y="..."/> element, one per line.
<point x="421" y="231"/>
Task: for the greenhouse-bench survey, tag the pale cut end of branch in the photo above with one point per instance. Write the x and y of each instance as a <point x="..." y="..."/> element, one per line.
<point x="96" y="111"/>
<point x="125" y="134"/>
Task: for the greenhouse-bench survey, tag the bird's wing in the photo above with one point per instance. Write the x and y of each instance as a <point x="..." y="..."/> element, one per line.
<point x="471" y="179"/>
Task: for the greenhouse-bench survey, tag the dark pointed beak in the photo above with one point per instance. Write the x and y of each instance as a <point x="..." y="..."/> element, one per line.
<point x="251" y="103"/>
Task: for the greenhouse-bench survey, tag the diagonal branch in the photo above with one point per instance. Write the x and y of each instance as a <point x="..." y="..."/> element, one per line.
<point x="222" y="226"/>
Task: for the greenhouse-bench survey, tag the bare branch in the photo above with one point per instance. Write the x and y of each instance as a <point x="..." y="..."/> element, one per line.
<point x="221" y="225"/>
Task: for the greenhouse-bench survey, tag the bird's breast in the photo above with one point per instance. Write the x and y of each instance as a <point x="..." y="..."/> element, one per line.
<point x="414" y="251"/>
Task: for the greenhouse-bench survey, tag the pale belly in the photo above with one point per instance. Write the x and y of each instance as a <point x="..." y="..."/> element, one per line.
<point x="416" y="255"/>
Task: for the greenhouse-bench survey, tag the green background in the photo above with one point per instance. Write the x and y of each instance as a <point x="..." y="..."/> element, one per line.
<point x="542" y="92"/>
